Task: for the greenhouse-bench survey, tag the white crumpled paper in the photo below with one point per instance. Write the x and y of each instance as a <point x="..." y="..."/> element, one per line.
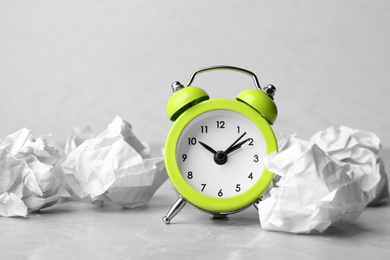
<point x="315" y="189"/>
<point x="108" y="168"/>
<point x="26" y="182"/>
<point x="360" y="149"/>
<point x="12" y="206"/>
<point x="77" y="137"/>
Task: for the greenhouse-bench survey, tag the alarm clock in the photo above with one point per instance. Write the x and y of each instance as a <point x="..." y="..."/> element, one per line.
<point x="215" y="148"/>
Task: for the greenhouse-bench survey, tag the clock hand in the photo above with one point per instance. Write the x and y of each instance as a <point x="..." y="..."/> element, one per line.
<point x="220" y="157"/>
<point x="238" y="146"/>
<point x="208" y="147"/>
<point x="228" y="150"/>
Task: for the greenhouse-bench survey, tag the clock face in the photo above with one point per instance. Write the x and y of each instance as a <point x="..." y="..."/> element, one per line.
<point x="220" y="153"/>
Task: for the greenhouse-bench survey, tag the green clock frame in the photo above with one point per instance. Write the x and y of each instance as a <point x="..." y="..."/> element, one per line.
<point x="204" y="202"/>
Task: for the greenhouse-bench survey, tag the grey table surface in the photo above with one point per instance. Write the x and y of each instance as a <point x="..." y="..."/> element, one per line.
<point x="81" y="230"/>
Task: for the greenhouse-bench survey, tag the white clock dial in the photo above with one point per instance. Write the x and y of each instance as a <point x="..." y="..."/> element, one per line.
<point x="207" y="164"/>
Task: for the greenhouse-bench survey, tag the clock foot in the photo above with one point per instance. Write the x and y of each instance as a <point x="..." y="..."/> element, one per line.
<point x="176" y="208"/>
<point x="256" y="203"/>
<point x="220" y="217"/>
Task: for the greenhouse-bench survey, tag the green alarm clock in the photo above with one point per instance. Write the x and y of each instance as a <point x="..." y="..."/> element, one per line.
<point x="214" y="151"/>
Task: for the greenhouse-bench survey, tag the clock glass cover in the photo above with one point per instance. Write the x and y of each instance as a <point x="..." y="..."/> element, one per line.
<point x="220" y="153"/>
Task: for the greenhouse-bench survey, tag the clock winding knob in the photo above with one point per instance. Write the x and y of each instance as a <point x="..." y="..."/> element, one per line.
<point x="176" y="86"/>
<point x="270" y="90"/>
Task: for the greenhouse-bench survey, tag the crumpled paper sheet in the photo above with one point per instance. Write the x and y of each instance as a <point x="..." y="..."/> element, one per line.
<point x="108" y="168"/>
<point x="26" y="182"/>
<point x="12" y="206"/>
<point x="324" y="181"/>
<point x="360" y="149"/>
<point x="77" y="137"/>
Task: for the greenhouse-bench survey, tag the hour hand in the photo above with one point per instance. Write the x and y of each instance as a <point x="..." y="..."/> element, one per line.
<point x="208" y="148"/>
<point x="238" y="146"/>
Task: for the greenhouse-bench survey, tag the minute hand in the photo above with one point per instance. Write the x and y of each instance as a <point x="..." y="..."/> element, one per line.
<point x="228" y="150"/>
<point x="237" y="146"/>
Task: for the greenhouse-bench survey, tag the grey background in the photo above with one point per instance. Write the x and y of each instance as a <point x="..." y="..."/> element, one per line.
<point x="77" y="63"/>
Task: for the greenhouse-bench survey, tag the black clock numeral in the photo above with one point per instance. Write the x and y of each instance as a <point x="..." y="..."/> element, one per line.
<point x="238" y="187"/>
<point x="192" y="141"/>
<point x="204" y="129"/>
<point x="255" y="158"/>
<point x="250" y="176"/>
<point x="220" y="194"/>
<point x="238" y="129"/>
<point x="190" y="175"/>
<point x="220" y="124"/>
<point x="250" y="142"/>
<point x="184" y="157"/>
<point x="203" y="186"/>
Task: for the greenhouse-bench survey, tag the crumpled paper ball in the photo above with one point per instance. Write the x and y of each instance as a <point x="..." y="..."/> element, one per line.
<point x="12" y="206"/>
<point x="109" y="168"/>
<point x="360" y="149"/>
<point x="312" y="193"/>
<point x="26" y="179"/>
<point x="77" y="137"/>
